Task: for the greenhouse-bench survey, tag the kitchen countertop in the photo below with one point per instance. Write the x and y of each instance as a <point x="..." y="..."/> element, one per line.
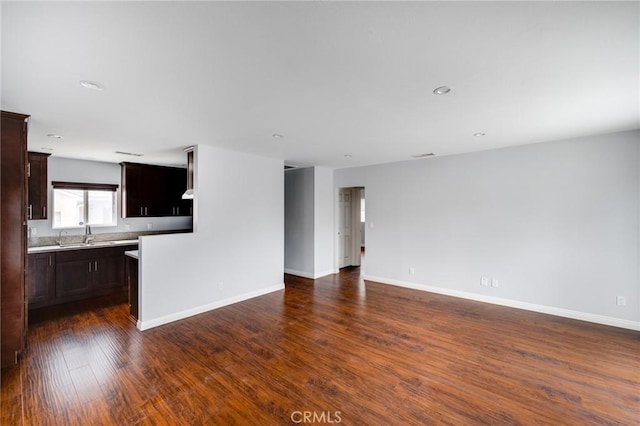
<point x="81" y="246"/>
<point x="131" y="253"/>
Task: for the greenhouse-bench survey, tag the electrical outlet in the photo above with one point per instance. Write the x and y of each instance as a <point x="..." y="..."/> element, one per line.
<point x="621" y="301"/>
<point x="484" y="281"/>
<point x="127" y="227"/>
<point x="149" y="226"/>
<point x="34" y="231"/>
<point x="412" y="271"/>
<point x="495" y="283"/>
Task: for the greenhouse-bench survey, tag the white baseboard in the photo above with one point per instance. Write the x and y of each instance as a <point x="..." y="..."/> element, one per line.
<point x="325" y="273"/>
<point x="551" y="310"/>
<point x="306" y="274"/>
<point x="146" y="325"/>
<point x="298" y="273"/>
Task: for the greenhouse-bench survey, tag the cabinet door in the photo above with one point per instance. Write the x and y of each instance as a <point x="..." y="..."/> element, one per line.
<point x="41" y="278"/>
<point x="108" y="272"/>
<point x="13" y="258"/>
<point x="73" y="277"/>
<point x="179" y="185"/>
<point x="131" y="191"/>
<point x="153" y="182"/>
<point x="132" y="283"/>
<point x="37" y="174"/>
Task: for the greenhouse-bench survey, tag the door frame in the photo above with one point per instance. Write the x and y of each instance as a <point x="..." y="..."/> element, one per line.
<point x="356" y="231"/>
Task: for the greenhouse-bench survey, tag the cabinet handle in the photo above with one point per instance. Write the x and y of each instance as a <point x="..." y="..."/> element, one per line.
<point x="44" y="211"/>
<point x="89" y="266"/>
<point x="96" y="266"/>
<point x="177" y="211"/>
<point x="49" y="260"/>
<point x="146" y="211"/>
<point x="28" y="169"/>
<point x="141" y="211"/>
<point x="30" y="214"/>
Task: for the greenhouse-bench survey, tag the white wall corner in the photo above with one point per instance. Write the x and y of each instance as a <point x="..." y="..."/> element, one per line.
<point x="313" y="276"/>
<point x="299" y="273"/>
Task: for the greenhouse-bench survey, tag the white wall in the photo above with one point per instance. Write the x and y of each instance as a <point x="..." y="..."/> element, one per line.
<point x="309" y="233"/>
<point x="70" y="170"/>
<point x="556" y="223"/>
<point x="324" y="232"/>
<point x="236" y="250"/>
<point x="299" y="221"/>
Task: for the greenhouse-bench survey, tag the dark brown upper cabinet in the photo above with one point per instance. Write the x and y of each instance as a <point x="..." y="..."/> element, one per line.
<point x="37" y="184"/>
<point x="153" y="191"/>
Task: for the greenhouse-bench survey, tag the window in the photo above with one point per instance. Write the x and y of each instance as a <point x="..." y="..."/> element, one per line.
<point x="78" y="204"/>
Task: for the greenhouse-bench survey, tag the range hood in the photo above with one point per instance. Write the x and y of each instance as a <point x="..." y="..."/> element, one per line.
<point x="188" y="194"/>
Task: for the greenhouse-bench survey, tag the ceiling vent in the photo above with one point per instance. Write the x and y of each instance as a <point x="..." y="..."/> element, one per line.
<point x="429" y="154"/>
<point x="129" y="153"/>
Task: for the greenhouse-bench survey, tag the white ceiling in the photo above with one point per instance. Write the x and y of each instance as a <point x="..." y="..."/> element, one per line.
<point x="333" y="78"/>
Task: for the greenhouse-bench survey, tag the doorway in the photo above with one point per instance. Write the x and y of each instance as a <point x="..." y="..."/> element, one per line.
<point x="351" y="215"/>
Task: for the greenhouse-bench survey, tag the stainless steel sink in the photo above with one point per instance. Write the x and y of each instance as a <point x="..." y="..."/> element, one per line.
<point x="91" y="244"/>
<point x="100" y="243"/>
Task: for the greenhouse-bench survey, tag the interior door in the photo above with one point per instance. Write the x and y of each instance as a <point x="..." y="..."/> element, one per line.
<point x="345" y="227"/>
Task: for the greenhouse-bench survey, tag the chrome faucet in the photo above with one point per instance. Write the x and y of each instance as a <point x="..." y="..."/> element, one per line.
<point x="60" y="236"/>
<point x="87" y="234"/>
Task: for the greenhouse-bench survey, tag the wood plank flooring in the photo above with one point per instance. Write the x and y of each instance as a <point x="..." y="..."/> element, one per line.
<point x="337" y="350"/>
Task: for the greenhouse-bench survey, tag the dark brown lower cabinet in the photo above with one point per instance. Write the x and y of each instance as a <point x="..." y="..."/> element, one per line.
<point x="132" y="282"/>
<point x="108" y="272"/>
<point x="71" y="275"/>
<point x="41" y="279"/>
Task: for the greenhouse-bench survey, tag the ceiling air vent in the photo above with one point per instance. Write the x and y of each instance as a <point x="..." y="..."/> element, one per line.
<point x="129" y="153"/>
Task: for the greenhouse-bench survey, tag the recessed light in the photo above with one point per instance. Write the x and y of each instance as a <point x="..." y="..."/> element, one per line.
<point x="428" y="154"/>
<point x="51" y="135"/>
<point x="479" y="134"/>
<point x="348" y="156"/>
<point x="442" y="90"/>
<point x="277" y="136"/>
<point x="91" y="85"/>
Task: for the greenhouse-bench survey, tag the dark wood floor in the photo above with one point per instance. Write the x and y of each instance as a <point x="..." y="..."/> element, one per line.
<point x="345" y="350"/>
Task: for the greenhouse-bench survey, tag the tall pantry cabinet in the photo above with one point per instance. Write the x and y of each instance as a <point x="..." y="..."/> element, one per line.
<point x="13" y="235"/>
